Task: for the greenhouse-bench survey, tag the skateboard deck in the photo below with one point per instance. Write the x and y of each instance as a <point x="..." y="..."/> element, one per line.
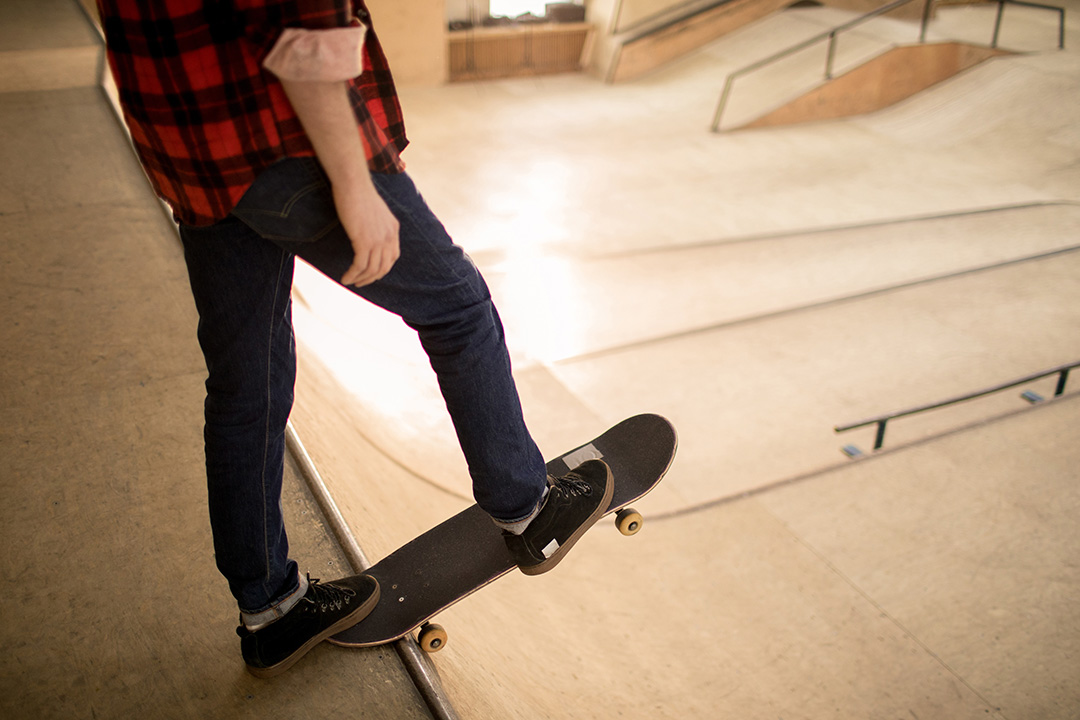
<point x="466" y="552"/>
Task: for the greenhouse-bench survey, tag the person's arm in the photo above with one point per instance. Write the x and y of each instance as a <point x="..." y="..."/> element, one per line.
<point x="312" y="66"/>
<point x="328" y="120"/>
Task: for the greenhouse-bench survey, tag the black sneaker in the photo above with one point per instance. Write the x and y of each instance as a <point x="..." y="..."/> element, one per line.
<point x="574" y="503"/>
<point x="324" y="610"/>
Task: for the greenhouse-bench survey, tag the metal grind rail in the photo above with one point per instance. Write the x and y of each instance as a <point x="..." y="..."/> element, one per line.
<point x="419" y="667"/>
<point x="679" y="12"/>
<point x="1025" y="3"/>
<point x="882" y="421"/>
<point x="830" y="36"/>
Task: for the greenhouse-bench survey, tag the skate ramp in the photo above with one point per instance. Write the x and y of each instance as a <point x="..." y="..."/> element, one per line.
<point x="889" y="78"/>
<point x="756" y="352"/>
<point x="767" y="561"/>
<point x="848" y="591"/>
<point x="758" y="290"/>
<point x="667" y="36"/>
<point x="937" y="580"/>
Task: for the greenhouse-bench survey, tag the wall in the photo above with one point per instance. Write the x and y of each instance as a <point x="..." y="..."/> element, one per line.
<point x="633" y="12"/>
<point x="466" y="9"/>
<point x="413" y="33"/>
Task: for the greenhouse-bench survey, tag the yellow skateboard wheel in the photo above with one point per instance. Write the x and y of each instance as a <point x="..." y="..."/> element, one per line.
<point x="431" y="638"/>
<point x="629" y="521"/>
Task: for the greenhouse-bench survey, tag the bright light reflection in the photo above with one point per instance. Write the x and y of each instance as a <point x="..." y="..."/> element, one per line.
<point x="527" y="205"/>
<point x="537" y="298"/>
<point x="371" y="352"/>
<point x="513" y="8"/>
<point x="379" y="359"/>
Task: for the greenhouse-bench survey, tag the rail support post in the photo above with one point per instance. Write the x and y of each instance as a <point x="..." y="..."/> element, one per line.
<point x="831" y="57"/>
<point x="925" y="20"/>
<point x="997" y="24"/>
<point x="879" y="440"/>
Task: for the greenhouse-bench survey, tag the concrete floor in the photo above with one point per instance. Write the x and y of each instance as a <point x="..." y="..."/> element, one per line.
<point x="758" y="288"/>
<point x="112" y="607"/>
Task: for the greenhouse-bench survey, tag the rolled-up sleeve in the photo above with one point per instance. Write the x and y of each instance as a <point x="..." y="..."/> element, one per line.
<point x="317" y="55"/>
<point x="273" y="23"/>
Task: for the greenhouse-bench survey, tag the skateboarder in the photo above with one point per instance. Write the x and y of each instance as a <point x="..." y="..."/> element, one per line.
<point x="273" y="130"/>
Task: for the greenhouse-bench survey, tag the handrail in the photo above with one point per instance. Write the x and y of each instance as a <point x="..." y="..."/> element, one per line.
<point x="676" y="11"/>
<point x="1025" y="3"/>
<point x="830" y="35"/>
<point x="881" y="421"/>
<point x="419" y="667"/>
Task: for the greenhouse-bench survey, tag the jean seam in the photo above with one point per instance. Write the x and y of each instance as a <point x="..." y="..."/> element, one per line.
<point x="278" y="608"/>
<point x="405" y="214"/>
<point x="268" y="412"/>
<point x="283" y="238"/>
<point x="250" y="216"/>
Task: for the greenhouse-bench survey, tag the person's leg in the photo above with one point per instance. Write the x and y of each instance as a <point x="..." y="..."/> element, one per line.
<point x="440" y="293"/>
<point x="242" y="284"/>
<point x="437" y="291"/>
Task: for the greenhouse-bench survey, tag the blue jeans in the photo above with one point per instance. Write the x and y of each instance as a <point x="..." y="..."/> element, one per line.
<point x="241" y="273"/>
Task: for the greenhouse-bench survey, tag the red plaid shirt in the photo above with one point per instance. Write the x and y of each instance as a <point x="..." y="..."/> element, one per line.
<point x="204" y="115"/>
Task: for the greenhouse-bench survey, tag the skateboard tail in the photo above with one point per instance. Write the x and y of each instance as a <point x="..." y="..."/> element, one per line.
<point x="642" y="446"/>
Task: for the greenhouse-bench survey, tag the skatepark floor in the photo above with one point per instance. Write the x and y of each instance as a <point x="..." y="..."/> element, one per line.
<point x="758" y="288"/>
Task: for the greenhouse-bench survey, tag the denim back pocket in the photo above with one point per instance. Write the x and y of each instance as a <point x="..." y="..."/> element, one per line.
<point x="290" y="202"/>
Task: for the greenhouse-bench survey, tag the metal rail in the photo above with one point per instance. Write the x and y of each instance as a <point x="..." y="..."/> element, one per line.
<point x="828" y="35"/>
<point x="417" y="664"/>
<point x="1001" y="12"/>
<point x="881" y="421"/>
<point x="677" y="13"/>
<point x="831" y="35"/>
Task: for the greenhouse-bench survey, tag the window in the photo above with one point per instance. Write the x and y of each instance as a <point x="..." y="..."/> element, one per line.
<point x="513" y="8"/>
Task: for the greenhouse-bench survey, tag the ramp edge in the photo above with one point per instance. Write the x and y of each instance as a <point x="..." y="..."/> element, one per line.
<point x="420" y="668"/>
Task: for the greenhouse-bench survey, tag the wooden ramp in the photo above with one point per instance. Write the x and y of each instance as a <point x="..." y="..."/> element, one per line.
<point x="654" y="41"/>
<point x="645" y="50"/>
<point x="886" y="80"/>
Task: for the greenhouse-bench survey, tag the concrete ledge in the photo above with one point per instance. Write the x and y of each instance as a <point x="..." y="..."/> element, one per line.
<point x="49" y="69"/>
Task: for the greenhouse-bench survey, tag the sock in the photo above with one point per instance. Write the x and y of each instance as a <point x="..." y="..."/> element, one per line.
<point x="516" y="528"/>
<point x="254" y="623"/>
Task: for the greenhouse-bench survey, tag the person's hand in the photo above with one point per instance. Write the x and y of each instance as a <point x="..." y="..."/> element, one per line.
<point x="326" y="113"/>
<point x="372" y="229"/>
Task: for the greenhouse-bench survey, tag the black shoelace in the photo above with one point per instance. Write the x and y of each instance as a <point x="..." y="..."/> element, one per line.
<point x="322" y="598"/>
<point x="573" y="487"/>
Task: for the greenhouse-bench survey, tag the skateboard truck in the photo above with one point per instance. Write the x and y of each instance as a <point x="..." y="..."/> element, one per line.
<point x="432" y="637"/>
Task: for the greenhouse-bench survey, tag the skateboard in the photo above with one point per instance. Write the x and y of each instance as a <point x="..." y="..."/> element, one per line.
<point x="466" y="552"/>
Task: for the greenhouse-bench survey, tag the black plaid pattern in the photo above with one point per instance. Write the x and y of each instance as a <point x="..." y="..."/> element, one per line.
<point x="205" y="117"/>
